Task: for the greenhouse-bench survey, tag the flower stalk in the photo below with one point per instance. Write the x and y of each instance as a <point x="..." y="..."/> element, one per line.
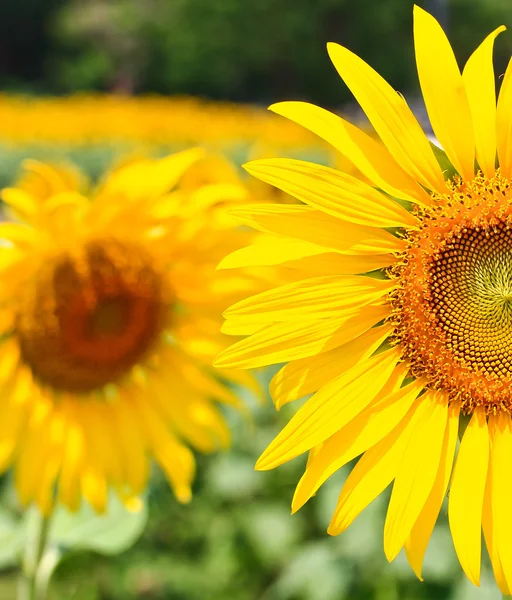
<point x="32" y="585"/>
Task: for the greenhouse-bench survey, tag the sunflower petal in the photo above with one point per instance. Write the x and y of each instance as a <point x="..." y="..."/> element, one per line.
<point x="318" y="228"/>
<point x="272" y="250"/>
<point x="363" y="432"/>
<point x="392" y="119"/>
<point x="269" y="251"/>
<point x="20" y="236"/>
<point x="490" y="523"/>
<point x="318" y="297"/>
<point x="501" y="456"/>
<point x="72" y="461"/>
<point x="292" y="340"/>
<point x="504" y="123"/>
<point x="467" y="495"/>
<point x="416" y="474"/>
<point x="374" y="471"/>
<point x="94" y="488"/>
<point x="308" y="375"/>
<point x="444" y="92"/>
<point x="416" y="543"/>
<point x="146" y="178"/>
<point x="337" y="194"/>
<point x="478" y="77"/>
<point x="333" y="263"/>
<point x="330" y="408"/>
<point x="20" y="201"/>
<point x="370" y="156"/>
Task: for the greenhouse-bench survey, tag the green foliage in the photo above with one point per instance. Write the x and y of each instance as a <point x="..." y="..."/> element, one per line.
<point x="258" y="51"/>
<point x="109" y="534"/>
<point x="11" y="539"/>
<point x="448" y="169"/>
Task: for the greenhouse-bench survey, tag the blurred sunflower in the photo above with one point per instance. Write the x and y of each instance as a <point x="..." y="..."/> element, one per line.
<point x="405" y="323"/>
<point x="110" y="318"/>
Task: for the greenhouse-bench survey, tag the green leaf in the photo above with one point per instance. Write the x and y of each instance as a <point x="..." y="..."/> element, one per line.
<point x="448" y="169"/>
<point x="111" y="533"/>
<point x="11" y="539"/>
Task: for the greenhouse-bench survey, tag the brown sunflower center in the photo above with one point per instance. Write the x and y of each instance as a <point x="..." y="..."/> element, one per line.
<point x="453" y="306"/>
<point x="88" y="318"/>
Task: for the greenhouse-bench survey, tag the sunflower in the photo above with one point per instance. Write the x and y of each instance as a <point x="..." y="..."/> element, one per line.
<point x="110" y="313"/>
<point x="403" y="329"/>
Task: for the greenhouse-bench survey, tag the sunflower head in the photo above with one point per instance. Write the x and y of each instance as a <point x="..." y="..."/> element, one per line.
<point x="399" y="319"/>
<point x="110" y="319"/>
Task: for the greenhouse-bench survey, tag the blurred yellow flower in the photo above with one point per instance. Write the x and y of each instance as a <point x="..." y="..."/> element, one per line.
<point x="96" y="119"/>
<point x="110" y="316"/>
<point x="394" y="358"/>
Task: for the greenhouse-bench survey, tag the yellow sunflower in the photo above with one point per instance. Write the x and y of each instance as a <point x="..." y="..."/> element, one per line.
<point x="404" y="324"/>
<point x="110" y="315"/>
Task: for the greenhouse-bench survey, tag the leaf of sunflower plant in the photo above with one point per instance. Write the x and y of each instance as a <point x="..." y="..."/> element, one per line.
<point x="111" y="533"/>
<point x="11" y="539"/>
<point x="448" y="169"/>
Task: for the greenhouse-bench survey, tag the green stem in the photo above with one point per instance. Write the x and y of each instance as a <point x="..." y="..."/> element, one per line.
<point x="37" y="537"/>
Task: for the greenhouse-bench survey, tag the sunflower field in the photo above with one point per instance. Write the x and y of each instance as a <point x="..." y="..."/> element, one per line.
<point x="255" y="300"/>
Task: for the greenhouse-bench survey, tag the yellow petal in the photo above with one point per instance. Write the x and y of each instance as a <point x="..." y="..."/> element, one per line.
<point x="310" y="225"/>
<point x="305" y="376"/>
<point x="467" y="494"/>
<point x="131" y="441"/>
<point x="490" y="523"/>
<point x="292" y="340"/>
<point x="337" y="194"/>
<point x="363" y="432"/>
<point x="374" y="471"/>
<point x="318" y="297"/>
<point x="145" y="179"/>
<point x="331" y="408"/>
<point x="444" y="93"/>
<point x="416" y="543"/>
<point x="20" y="201"/>
<point x="501" y="457"/>
<point x="93" y="485"/>
<point x="14" y="410"/>
<point x="369" y="156"/>
<point x="269" y="251"/>
<point x="72" y="461"/>
<point x="20" y="235"/>
<point x="45" y="179"/>
<point x="55" y="437"/>
<point x="332" y="263"/>
<point x="101" y="447"/>
<point x="176" y="460"/>
<point x="392" y="119"/>
<point x="478" y="77"/>
<point x="416" y="474"/>
<point x="241" y="327"/>
<point x="504" y="123"/>
<point x="34" y="450"/>
<point x="197" y="420"/>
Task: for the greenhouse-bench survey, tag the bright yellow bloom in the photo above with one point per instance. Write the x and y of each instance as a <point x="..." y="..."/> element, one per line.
<point x="110" y="316"/>
<point x="404" y="322"/>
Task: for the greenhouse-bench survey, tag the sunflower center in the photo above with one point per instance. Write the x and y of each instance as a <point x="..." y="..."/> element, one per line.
<point x="453" y="306"/>
<point x="89" y="317"/>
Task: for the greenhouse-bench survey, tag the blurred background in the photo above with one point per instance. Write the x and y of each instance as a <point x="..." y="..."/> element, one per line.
<point x="94" y="80"/>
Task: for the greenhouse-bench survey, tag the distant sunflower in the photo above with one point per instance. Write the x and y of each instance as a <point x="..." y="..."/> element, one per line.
<point x="395" y="357"/>
<point x="110" y="313"/>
